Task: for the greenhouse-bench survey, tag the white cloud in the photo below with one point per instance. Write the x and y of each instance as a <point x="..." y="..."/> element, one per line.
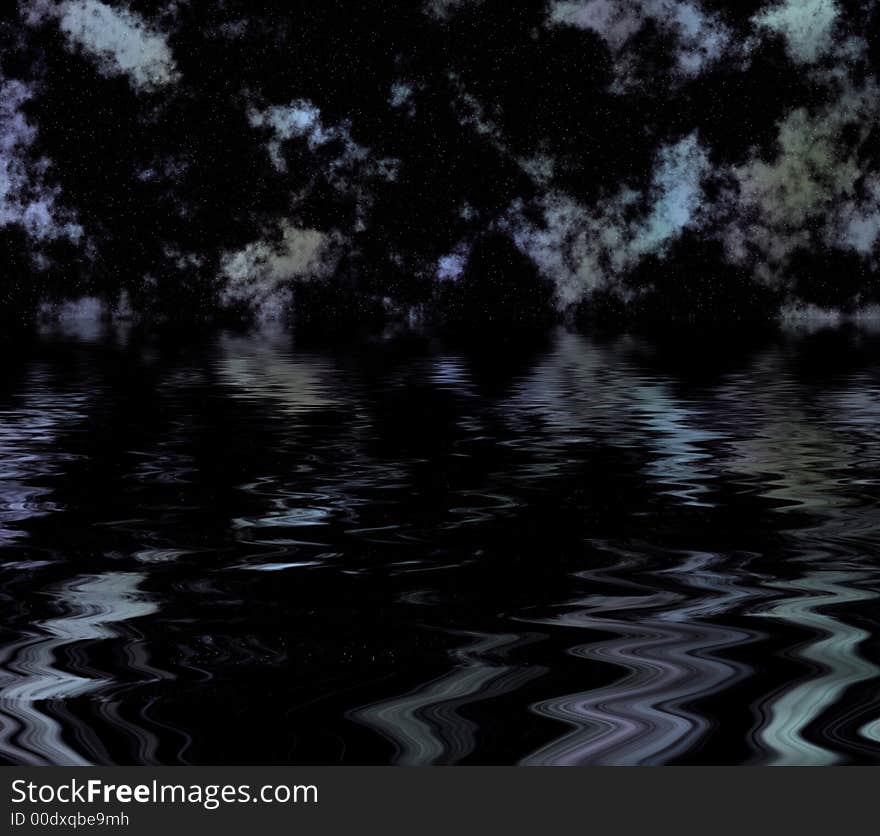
<point x="442" y="9"/>
<point x="346" y="165"/>
<point x="260" y="274"/>
<point x="856" y="223"/>
<point x="806" y="25"/>
<point x="797" y="315"/>
<point x="120" y="41"/>
<point x="583" y="249"/>
<point x="300" y="119"/>
<point x="814" y="182"/>
<point x="677" y="194"/>
<point x="700" y="38"/>
<point x="451" y="267"/>
<point x="401" y="93"/>
<point x="25" y="199"/>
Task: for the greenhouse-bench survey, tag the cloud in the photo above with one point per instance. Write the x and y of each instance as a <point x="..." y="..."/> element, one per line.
<point x="451" y="267"/>
<point x="261" y="273"/>
<point x="443" y="9"/>
<point x="797" y="315"/>
<point x="586" y="249"/>
<point x="814" y="182"/>
<point x="807" y="26"/>
<point x="856" y="223"/>
<point x="342" y="162"/>
<point x="699" y="38"/>
<point x="401" y="97"/>
<point x="300" y="119"/>
<point x="119" y="40"/>
<point x="25" y="198"/>
<point x="815" y="189"/>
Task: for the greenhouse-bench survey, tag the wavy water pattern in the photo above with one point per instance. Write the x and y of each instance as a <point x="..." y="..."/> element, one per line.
<point x="834" y="656"/>
<point x="668" y="658"/>
<point x="33" y="681"/>
<point x="611" y="550"/>
<point x="425" y="726"/>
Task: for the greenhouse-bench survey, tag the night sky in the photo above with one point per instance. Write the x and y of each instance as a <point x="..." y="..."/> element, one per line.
<point x="471" y="162"/>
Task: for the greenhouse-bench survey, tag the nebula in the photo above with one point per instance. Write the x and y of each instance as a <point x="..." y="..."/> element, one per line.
<point x="351" y="162"/>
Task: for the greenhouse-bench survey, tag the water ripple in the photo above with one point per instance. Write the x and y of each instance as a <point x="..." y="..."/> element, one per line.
<point x="610" y="550"/>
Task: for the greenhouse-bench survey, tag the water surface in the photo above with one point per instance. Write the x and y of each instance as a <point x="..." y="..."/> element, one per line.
<point x="580" y="551"/>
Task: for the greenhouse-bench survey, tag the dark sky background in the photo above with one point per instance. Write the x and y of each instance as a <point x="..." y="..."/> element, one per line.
<point x="479" y="162"/>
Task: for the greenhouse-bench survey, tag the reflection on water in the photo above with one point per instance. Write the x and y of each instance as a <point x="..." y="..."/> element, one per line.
<point x="33" y="683"/>
<point x="583" y="552"/>
<point x="834" y="655"/>
<point x="426" y="726"/>
<point x="30" y="423"/>
<point x="671" y="657"/>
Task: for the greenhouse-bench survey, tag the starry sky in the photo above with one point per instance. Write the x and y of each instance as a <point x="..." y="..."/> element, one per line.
<point x="475" y="162"/>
